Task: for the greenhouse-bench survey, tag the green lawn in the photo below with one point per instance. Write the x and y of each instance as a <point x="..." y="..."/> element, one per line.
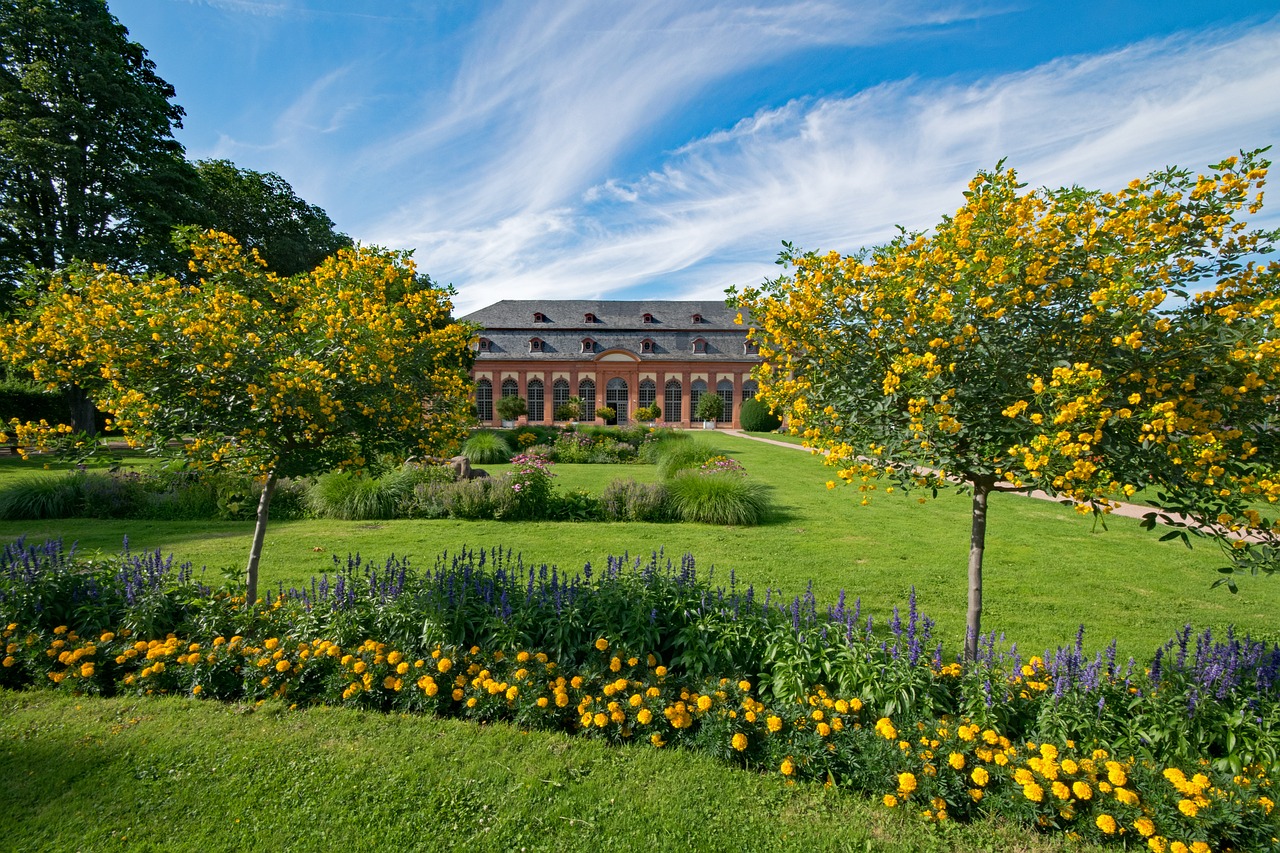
<point x="175" y="774"/>
<point x="1048" y="570"/>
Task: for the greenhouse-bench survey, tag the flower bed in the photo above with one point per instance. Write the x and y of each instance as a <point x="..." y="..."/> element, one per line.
<point x="643" y="651"/>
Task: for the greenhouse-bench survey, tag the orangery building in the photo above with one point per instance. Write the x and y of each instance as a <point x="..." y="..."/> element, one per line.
<point x="619" y="354"/>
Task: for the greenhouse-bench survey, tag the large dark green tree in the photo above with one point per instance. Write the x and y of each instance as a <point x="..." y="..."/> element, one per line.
<point x="89" y="168"/>
<point x="262" y="212"/>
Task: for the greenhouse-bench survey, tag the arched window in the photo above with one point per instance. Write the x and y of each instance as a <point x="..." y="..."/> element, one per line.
<point x="484" y="400"/>
<point x="559" y="394"/>
<point x="696" y="390"/>
<point x="671" y="396"/>
<point x="535" y="344"/>
<point x="587" y="394"/>
<point x="648" y="393"/>
<point x="510" y="388"/>
<point x="486" y="345"/>
<point x="749" y="390"/>
<point x="646" y="345"/>
<point x="725" y="389"/>
<point x="535" y="400"/>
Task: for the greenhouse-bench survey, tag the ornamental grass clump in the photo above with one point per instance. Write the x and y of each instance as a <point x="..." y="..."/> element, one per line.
<point x="675" y="456"/>
<point x="486" y="448"/>
<point x="33" y="498"/>
<point x="719" y="496"/>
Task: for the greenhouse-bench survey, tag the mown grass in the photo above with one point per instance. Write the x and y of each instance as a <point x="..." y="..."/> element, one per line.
<point x="175" y="774"/>
<point x="1048" y="570"/>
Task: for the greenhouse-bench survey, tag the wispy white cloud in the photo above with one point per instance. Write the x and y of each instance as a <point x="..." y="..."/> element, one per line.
<point x="838" y="172"/>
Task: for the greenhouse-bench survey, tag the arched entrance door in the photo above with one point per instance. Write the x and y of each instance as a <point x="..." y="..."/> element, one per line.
<point x="615" y="397"/>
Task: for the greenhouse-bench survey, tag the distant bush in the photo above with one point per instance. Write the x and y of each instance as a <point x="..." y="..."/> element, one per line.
<point x="485" y="448"/>
<point x="718" y="498"/>
<point x="756" y="417"/>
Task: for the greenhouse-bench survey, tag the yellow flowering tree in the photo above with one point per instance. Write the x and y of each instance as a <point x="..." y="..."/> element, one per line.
<point x="1084" y="343"/>
<point x="276" y="376"/>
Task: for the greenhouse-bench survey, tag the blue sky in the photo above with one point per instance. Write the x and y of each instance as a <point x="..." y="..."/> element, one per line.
<point x="646" y="149"/>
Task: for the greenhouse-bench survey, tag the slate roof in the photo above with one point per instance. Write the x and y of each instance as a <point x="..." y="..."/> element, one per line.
<point x="509" y="325"/>
<point x="610" y="314"/>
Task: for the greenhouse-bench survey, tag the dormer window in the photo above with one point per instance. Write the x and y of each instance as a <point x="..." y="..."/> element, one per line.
<point x="486" y="345"/>
<point x="699" y="344"/>
<point x="646" y="345"/>
<point x="697" y="318"/>
<point x="750" y="348"/>
<point x="589" y="318"/>
<point x="588" y="345"/>
<point x="535" y="344"/>
<point x="648" y="318"/>
<point x="539" y="317"/>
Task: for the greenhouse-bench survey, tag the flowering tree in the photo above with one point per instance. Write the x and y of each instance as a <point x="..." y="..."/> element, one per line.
<point x="276" y="376"/>
<point x="1087" y="344"/>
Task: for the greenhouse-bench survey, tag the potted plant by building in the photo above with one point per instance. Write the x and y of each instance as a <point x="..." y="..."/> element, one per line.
<point x="710" y="407"/>
<point x="570" y="410"/>
<point x="648" y="414"/>
<point x="510" y="408"/>
<point x="606" y="415"/>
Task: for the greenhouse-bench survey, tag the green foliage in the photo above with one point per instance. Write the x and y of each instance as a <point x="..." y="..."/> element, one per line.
<point x="607" y="413"/>
<point x="89" y="168"/>
<point x="40" y="497"/>
<point x="710" y="407"/>
<point x="352" y="496"/>
<point x="719" y="498"/>
<point x="679" y="455"/>
<point x="29" y="401"/>
<point x="570" y="410"/>
<point x="485" y="447"/>
<point x="755" y="416"/>
<point x="511" y="407"/>
<point x="627" y="500"/>
<point x="263" y="213"/>
<point x="648" y="413"/>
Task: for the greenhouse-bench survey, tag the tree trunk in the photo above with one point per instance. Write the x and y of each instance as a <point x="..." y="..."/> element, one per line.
<point x="83" y="413"/>
<point x="259" y="533"/>
<point x="977" y="542"/>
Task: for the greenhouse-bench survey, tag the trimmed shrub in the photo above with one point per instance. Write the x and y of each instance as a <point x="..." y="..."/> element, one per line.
<point x="486" y="448"/>
<point x="756" y="417"/>
<point x="718" y="498"/>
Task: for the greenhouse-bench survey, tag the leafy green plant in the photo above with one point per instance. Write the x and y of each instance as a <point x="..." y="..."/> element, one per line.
<point x="719" y="498"/>
<point x="486" y="447"/>
<point x="510" y="408"/>
<point x="41" y="497"/>
<point x="357" y="497"/>
<point x="627" y="500"/>
<point x="710" y="407"/>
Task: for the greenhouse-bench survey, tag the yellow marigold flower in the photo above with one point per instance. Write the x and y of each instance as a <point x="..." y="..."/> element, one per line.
<point x="602" y="644"/>
<point x="884" y="728"/>
<point x="1199" y="847"/>
<point x="107" y="637"/>
<point x="644" y="717"/>
<point x="980" y="776"/>
<point x="906" y="783"/>
<point x="956" y="760"/>
<point x="1116" y="774"/>
<point x="197" y="690"/>
<point x="1178" y="847"/>
<point x="1069" y="767"/>
<point x="601" y="720"/>
<point x="788" y="767"/>
<point x="739" y="741"/>
<point x="394" y="658"/>
<point x="444" y="665"/>
<point x="823" y="730"/>
<point x="1106" y="823"/>
<point x="774" y="723"/>
<point x="704" y="703"/>
<point x="1082" y="790"/>
<point x="1188" y="807"/>
<point x="660" y="671"/>
<point x="282" y="666"/>
<point x="1144" y="826"/>
<point x="457" y="694"/>
<point x="890" y="801"/>
<point x="744" y="685"/>
<point x="86" y="670"/>
<point x="1124" y="795"/>
<point x="1033" y="792"/>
